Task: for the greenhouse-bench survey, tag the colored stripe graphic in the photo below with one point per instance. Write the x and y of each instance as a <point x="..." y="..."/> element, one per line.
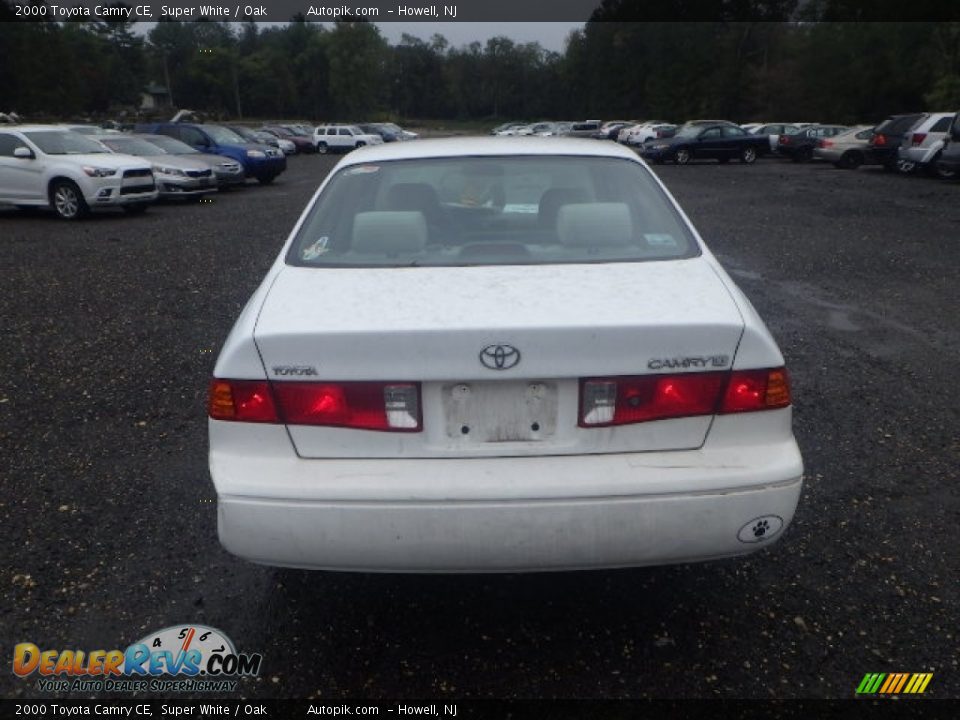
<point x="870" y="683"/>
<point x="918" y="683"/>
<point x="894" y="683"/>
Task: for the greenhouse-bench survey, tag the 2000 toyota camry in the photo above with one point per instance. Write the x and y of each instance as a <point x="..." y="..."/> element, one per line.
<point x="497" y="355"/>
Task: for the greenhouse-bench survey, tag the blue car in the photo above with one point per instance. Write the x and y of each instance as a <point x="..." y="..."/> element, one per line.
<point x="259" y="161"/>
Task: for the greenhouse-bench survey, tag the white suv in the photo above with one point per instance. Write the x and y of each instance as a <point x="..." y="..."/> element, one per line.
<point x="342" y="137"/>
<point x="46" y="165"/>
<point x="923" y="143"/>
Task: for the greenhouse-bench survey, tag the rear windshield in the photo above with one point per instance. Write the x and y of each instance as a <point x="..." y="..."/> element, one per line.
<point x="491" y="211"/>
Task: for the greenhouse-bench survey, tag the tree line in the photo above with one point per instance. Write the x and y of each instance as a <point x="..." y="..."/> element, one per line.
<point x="779" y="69"/>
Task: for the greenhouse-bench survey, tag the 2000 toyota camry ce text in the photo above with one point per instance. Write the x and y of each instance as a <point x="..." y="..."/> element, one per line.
<point x="496" y="355"/>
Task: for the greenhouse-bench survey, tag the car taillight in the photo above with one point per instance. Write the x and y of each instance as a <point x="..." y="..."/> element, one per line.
<point x="825" y="143"/>
<point x="241" y="400"/>
<point x="393" y="407"/>
<point x="879" y="139"/>
<point x="784" y="139"/>
<point x="918" y="138"/>
<point x="633" y="399"/>
<point x="749" y="390"/>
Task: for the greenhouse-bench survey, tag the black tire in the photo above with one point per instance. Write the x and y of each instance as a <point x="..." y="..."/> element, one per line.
<point x="936" y="170"/>
<point x="322" y="148"/>
<point x="803" y="155"/>
<point x="360" y="144"/>
<point x="266" y="179"/>
<point x="682" y="156"/>
<point x="136" y="209"/>
<point x="850" y="160"/>
<point x="67" y="200"/>
<point x="748" y="156"/>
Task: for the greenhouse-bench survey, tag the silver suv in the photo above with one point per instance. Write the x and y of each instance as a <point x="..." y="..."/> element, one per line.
<point x="50" y="166"/>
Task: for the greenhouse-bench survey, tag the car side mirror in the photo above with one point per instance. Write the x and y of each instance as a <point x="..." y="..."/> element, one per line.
<point x="24" y="153"/>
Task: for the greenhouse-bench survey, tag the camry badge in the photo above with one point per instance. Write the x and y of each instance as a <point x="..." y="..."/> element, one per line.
<point x="499" y="357"/>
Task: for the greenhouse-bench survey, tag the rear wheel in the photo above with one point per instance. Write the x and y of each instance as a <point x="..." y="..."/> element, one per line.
<point x="322" y="148"/>
<point x="803" y="155"/>
<point x="748" y="155"/>
<point x="939" y="171"/>
<point x="682" y="156"/>
<point x="67" y="200"/>
<point x="360" y="144"/>
<point x="906" y="167"/>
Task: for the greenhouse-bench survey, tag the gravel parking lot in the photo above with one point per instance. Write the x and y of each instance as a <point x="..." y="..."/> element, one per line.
<point x="111" y="327"/>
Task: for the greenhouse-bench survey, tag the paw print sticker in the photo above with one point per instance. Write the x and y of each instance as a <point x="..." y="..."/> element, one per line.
<point x="760" y="529"/>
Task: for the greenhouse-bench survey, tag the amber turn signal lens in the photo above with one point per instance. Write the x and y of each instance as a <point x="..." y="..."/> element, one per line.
<point x="778" y="389"/>
<point x="221" y="405"/>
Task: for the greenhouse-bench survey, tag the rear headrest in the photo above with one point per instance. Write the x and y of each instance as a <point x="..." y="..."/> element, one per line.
<point x="389" y="232"/>
<point x="595" y="224"/>
<point x="553" y="199"/>
<point x="412" y="196"/>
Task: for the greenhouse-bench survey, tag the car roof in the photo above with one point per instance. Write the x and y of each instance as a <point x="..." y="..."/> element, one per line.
<point x="34" y="128"/>
<point x="487" y="146"/>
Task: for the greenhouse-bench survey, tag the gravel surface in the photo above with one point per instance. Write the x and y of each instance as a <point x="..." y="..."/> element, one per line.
<point x="111" y="327"/>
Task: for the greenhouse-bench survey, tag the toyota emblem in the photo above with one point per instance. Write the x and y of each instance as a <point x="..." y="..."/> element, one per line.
<point x="499" y="357"/>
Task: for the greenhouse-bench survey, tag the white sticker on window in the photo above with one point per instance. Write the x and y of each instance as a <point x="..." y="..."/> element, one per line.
<point x="363" y="170"/>
<point x="660" y="240"/>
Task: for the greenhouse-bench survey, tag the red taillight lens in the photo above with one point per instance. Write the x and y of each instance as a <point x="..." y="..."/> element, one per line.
<point x="750" y="390"/>
<point x="784" y="139"/>
<point x="242" y="400"/>
<point x="393" y="407"/>
<point x="879" y="139"/>
<point x="826" y="143"/>
<point x="918" y="138"/>
<point x="633" y="399"/>
<point x="369" y="406"/>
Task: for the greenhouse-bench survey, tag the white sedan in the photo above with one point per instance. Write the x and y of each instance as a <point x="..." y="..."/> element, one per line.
<point x="484" y="355"/>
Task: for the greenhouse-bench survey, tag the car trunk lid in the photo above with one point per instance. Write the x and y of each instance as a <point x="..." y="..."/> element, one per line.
<point x="440" y="327"/>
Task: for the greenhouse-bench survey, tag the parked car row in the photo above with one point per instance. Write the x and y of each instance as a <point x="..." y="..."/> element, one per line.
<point x="903" y="143"/>
<point x="74" y="169"/>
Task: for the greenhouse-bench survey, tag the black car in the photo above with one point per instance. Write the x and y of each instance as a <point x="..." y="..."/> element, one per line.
<point x="948" y="164"/>
<point x="884" y="146"/>
<point x="799" y="146"/>
<point x="696" y="140"/>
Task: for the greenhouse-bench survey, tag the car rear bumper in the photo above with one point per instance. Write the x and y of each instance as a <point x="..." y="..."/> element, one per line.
<point x="505" y="536"/>
<point x="505" y="514"/>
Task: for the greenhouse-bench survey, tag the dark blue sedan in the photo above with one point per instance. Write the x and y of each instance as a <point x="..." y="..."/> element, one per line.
<point x="720" y="141"/>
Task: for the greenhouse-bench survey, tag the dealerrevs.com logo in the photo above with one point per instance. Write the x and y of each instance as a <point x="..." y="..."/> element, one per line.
<point x="180" y="658"/>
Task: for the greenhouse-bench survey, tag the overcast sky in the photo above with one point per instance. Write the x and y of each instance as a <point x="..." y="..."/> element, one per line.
<point x="550" y="35"/>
